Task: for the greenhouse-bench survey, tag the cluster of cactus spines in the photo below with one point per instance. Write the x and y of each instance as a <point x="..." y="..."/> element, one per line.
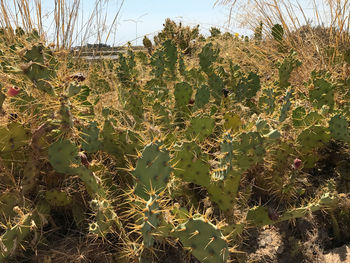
<point x="260" y="216"/>
<point x="339" y="128"/>
<point x="15" y="234"/>
<point x="104" y="217"/>
<point x="285" y="69"/>
<point x="152" y="171"/>
<point x="203" y="239"/>
<point x="90" y="138"/>
<point x="150" y="220"/>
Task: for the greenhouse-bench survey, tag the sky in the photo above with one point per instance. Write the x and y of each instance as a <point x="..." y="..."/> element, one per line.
<point x="150" y="15"/>
<point x="142" y="17"/>
<point x="146" y="17"/>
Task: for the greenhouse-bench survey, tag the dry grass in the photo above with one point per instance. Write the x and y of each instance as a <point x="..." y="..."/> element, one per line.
<point x="59" y="21"/>
<point x="310" y="32"/>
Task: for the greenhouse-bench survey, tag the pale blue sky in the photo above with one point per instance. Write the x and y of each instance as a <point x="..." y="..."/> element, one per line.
<point x="150" y="15"/>
<point x="147" y="15"/>
<point x="154" y="13"/>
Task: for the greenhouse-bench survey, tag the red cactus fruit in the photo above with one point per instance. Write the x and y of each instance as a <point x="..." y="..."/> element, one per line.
<point x="297" y="163"/>
<point x="13" y="91"/>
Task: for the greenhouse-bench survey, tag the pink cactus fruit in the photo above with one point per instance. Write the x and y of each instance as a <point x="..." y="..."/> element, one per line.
<point x="12" y="91"/>
<point x="297" y="163"/>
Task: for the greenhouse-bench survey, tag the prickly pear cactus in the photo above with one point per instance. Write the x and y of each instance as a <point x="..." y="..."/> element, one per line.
<point x="207" y="57"/>
<point x="339" y="128"/>
<point x="204" y="239"/>
<point x="313" y="137"/>
<point x="89" y="135"/>
<point x="286" y="106"/>
<point x="200" y="128"/>
<point x="202" y="96"/>
<point x="151" y="218"/>
<point x="152" y="170"/>
<point x="322" y="93"/>
<point x="247" y="88"/>
<point x="183" y="93"/>
<point x="191" y="165"/>
<point x="40" y="67"/>
<point x="105" y="217"/>
<point x="57" y="198"/>
<point x="14" y="235"/>
<point x="285" y="69"/>
<point x="13" y="136"/>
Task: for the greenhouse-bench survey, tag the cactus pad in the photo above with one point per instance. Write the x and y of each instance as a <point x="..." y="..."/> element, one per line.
<point x="339" y="128"/>
<point x="152" y="170"/>
<point x="205" y="241"/>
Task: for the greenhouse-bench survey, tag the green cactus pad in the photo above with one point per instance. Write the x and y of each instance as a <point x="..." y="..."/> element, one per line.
<point x="200" y="128"/>
<point x="73" y="90"/>
<point x="152" y="170"/>
<point x="183" y="93"/>
<point x="249" y="149"/>
<point x="191" y="166"/>
<point x="313" y="137"/>
<point x="13" y="137"/>
<point x="285" y="69"/>
<point x="109" y="138"/>
<point x="57" y="198"/>
<point x="63" y="155"/>
<point x="232" y="122"/>
<point x="207" y="57"/>
<point x="205" y="241"/>
<point x="224" y="192"/>
<point x="13" y="236"/>
<point x="170" y="52"/>
<point x="216" y="86"/>
<point x="267" y="101"/>
<point x="286" y="106"/>
<point x="247" y="87"/>
<point x="339" y="128"/>
<point x="202" y="96"/>
<point x="105" y="217"/>
<point x="150" y="221"/>
<point x="90" y="142"/>
<point x="322" y="93"/>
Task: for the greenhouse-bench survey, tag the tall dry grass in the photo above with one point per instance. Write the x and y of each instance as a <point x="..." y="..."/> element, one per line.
<point x="63" y="22"/>
<point x="317" y="29"/>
